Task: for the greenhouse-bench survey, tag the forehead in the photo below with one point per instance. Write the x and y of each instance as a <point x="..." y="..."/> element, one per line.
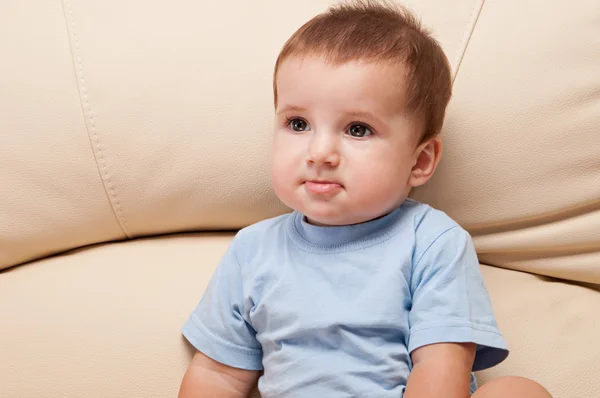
<point x="376" y="87"/>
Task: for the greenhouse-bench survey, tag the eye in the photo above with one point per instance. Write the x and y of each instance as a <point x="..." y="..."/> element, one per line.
<point x="297" y="124"/>
<point x="358" y="130"/>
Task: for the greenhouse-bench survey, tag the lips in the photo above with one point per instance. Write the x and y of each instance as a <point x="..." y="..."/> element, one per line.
<point x="322" y="187"/>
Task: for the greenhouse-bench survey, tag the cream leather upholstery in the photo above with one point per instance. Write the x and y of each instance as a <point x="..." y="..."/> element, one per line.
<point x="150" y="122"/>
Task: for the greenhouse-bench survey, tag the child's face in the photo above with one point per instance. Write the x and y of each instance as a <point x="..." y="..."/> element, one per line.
<point x="344" y="148"/>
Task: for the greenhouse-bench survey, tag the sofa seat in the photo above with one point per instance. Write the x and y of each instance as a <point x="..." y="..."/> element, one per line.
<point x="104" y="321"/>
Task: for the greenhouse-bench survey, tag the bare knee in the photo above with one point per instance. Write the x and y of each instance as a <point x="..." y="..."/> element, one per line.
<point x="513" y="387"/>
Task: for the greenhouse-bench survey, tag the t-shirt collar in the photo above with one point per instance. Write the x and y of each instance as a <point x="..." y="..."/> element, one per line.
<point x="344" y="234"/>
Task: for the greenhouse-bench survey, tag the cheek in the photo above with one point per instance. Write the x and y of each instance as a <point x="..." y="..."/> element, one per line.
<point x="284" y="161"/>
<point x="379" y="175"/>
<point x="278" y="167"/>
<point x="278" y="181"/>
<point x="280" y="155"/>
<point x="287" y="149"/>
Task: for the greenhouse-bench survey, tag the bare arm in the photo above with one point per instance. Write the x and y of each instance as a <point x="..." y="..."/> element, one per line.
<point x="207" y="378"/>
<point x="441" y="370"/>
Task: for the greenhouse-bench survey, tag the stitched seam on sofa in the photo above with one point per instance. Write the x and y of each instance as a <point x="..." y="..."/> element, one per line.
<point x="99" y="158"/>
<point x="464" y="42"/>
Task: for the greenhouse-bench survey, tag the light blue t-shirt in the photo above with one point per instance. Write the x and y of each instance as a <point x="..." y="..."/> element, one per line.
<point x="336" y="311"/>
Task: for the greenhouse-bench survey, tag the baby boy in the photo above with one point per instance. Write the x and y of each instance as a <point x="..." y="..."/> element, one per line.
<point x="360" y="291"/>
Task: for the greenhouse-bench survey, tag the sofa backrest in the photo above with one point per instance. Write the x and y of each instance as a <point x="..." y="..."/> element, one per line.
<point x="122" y="119"/>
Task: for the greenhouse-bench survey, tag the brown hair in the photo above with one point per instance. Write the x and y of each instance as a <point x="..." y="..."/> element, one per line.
<point x="379" y="31"/>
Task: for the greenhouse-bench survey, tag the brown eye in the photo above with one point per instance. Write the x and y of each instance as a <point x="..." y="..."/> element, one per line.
<point x="298" y="125"/>
<point x="359" y="130"/>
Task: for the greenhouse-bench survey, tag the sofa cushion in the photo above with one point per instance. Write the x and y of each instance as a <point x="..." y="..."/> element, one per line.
<point x="105" y="321"/>
<point x="551" y="331"/>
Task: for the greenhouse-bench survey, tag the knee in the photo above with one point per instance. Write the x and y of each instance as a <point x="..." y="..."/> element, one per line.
<point x="512" y="386"/>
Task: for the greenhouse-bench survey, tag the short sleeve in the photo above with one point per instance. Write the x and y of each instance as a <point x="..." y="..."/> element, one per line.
<point x="218" y="327"/>
<point x="450" y="303"/>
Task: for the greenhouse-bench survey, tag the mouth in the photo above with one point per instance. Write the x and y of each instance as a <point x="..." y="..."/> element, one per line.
<point x="322" y="186"/>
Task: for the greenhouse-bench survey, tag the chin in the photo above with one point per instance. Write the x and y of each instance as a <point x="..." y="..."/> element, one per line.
<point x="337" y="217"/>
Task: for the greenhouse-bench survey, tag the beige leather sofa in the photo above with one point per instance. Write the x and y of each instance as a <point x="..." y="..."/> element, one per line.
<point x="134" y="141"/>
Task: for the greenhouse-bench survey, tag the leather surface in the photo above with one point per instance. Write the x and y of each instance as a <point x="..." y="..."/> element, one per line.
<point x="105" y="322"/>
<point x="51" y="194"/>
<point x="551" y="331"/>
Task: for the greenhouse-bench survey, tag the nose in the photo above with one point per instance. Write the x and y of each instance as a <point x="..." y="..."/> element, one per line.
<point x="324" y="149"/>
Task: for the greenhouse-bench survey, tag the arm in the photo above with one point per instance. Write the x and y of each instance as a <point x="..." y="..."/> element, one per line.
<point x="228" y="356"/>
<point x="441" y="370"/>
<point x="207" y="378"/>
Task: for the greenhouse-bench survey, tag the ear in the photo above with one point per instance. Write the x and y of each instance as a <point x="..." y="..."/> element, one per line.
<point x="426" y="158"/>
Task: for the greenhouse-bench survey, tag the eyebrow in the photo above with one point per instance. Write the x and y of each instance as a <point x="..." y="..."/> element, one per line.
<point x="361" y="114"/>
<point x="366" y="115"/>
<point x="292" y="108"/>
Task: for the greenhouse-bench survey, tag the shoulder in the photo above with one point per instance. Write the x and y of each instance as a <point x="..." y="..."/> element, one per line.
<point x="433" y="228"/>
<point x="249" y="238"/>
<point x="428" y="220"/>
<point x="262" y="228"/>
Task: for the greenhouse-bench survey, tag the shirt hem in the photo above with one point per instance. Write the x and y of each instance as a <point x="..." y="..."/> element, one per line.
<point x="491" y="347"/>
<point x="221" y="351"/>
